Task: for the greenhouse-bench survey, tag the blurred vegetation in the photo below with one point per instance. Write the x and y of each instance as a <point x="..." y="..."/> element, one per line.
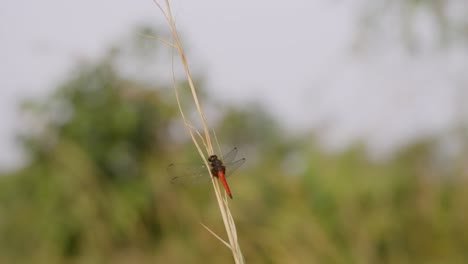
<point x="95" y="189"/>
<point x="418" y="24"/>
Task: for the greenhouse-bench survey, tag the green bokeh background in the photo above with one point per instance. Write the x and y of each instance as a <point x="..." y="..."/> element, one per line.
<point x="94" y="188"/>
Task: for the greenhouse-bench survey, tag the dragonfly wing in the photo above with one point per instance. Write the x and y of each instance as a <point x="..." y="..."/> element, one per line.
<point x="188" y="173"/>
<point x="233" y="166"/>
<point x="230" y="156"/>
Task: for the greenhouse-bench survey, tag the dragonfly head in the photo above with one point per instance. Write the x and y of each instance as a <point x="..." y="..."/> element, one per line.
<point x="212" y="157"/>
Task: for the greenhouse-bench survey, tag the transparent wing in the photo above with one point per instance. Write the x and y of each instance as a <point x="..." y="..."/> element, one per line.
<point x="230" y="156"/>
<point x="188" y="173"/>
<point x="233" y="166"/>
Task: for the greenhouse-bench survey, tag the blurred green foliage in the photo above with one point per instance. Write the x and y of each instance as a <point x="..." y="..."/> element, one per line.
<point x="446" y="21"/>
<point x="95" y="189"/>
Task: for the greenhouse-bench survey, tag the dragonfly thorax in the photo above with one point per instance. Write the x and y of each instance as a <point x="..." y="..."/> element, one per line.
<point x="216" y="165"/>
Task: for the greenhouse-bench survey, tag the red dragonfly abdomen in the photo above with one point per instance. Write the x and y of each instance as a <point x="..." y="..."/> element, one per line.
<point x="224" y="182"/>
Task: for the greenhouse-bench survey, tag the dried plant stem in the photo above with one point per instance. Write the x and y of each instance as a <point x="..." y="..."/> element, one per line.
<point x="204" y="138"/>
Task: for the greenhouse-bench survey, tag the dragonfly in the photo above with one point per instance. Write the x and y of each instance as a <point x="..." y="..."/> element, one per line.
<point x="196" y="173"/>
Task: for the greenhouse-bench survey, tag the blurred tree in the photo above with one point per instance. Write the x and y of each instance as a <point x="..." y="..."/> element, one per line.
<point x="447" y="19"/>
<point x="84" y="188"/>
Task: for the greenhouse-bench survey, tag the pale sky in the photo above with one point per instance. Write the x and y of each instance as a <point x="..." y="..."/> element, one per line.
<point x="296" y="58"/>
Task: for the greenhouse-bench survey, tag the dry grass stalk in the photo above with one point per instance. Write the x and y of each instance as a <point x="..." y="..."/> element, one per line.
<point x="202" y="138"/>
